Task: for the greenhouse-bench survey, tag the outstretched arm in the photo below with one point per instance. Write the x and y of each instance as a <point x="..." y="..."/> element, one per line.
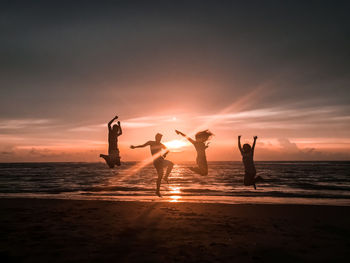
<point x="239" y="143"/>
<point x="255" y="137"/>
<point x="120" y="129"/>
<point x="140" y="146"/>
<point x="184" y="135"/>
<point x="111" y="121"/>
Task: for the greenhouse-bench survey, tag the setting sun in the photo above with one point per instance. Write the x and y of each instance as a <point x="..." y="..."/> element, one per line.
<point x="176" y="144"/>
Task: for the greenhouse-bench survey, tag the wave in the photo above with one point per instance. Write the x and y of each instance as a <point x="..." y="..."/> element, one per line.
<point x="313" y="180"/>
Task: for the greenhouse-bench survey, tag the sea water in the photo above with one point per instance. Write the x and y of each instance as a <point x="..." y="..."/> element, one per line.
<point x="285" y="182"/>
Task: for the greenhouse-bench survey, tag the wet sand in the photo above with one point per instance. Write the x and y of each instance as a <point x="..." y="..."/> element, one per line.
<point x="42" y="230"/>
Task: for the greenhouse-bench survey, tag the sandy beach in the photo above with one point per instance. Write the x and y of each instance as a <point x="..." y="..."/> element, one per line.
<point x="43" y="230"/>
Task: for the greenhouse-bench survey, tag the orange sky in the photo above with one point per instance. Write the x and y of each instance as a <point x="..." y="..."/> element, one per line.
<point x="278" y="139"/>
<point x="288" y="132"/>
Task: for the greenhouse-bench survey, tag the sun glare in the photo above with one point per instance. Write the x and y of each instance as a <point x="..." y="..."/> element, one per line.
<point x="175" y="144"/>
<point x="174" y="190"/>
<point x="175" y="198"/>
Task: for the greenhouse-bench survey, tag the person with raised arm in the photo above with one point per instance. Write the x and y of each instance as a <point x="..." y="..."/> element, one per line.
<point x="200" y="145"/>
<point x="159" y="152"/>
<point x="113" y="157"/>
<point x="247" y="153"/>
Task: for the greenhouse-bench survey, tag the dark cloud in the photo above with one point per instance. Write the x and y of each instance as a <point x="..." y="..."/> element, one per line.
<point x="68" y="56"/>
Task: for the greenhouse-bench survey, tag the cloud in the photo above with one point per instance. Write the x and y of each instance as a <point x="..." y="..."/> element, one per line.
<point x="149" y="121"/>
<point x="287" y="145"/>
<point x="137" y="122"/>
<point x="88" y="128"/>
<point x="293" y="152"/>
<point x="23" y="123"/>
<point x="290" y="121"/>
<point x="129" y="124"/>
<point x="280" y="113"/>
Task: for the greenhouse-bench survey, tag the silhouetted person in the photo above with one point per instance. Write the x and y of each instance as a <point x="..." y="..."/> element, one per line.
<point x="249" y="167"/>
<point x="199" y="144"/>
<point x="159" y="152"/>
<point x="113" y="157"/>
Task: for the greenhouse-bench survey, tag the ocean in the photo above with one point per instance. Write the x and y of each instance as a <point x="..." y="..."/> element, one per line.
<point x="315" y="183"/>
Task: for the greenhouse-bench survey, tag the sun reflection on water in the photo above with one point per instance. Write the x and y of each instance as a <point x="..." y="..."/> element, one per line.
<point x="175" y="190"/>
<point x="174" y="198"/>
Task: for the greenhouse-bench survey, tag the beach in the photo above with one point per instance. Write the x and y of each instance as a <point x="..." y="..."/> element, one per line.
<point x="48" y="230"/>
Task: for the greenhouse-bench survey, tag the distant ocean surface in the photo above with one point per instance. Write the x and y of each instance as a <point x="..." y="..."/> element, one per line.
<point x="286" y="182"/>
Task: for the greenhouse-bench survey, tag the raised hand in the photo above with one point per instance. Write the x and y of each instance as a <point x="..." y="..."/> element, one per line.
<point x="255" y="137"/>
<point x="132" y="146"/>
<point x="118" y="123"/>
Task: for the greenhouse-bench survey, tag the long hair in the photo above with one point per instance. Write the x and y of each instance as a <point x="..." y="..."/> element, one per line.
<point x="206" y="134"/>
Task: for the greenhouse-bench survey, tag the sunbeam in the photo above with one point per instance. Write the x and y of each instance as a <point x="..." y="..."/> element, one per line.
<point x="236" y="106"/>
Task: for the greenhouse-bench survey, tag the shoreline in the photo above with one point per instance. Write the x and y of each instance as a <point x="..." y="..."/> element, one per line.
<point x="157" y="200"/>
<point x="230" y="200"/>
<point x="42" y="230"/>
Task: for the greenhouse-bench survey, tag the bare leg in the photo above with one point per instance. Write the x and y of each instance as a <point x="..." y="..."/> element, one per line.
<point x="198" y="170"/>
<point x="103" y="156"/>
<point x="204" y="170"/>
<point x="249" y="180"/>
<point x="115" y="159"/>
<point x="195" y="169"/>
<point x="159" y="168"/>
<point x="170" y="166"/>
<point x="108" y="160"/>
<point x="259" y="179"/>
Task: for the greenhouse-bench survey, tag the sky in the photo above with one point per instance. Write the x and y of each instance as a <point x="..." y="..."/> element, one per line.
<point x="276" y="69"/>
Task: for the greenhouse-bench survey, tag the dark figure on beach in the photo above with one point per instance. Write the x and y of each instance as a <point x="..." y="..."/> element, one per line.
<point x="113" y="157"/>
<point x="201" y="146"/>
<point x="159" y="152"/>
<point x="247" y="156"/>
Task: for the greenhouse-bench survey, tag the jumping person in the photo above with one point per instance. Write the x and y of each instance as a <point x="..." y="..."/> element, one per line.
<point x="159" y="152"/>
<point x="113" y="157"/>
<point x="201" y="146"/>
<point x="247" y="156"/>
